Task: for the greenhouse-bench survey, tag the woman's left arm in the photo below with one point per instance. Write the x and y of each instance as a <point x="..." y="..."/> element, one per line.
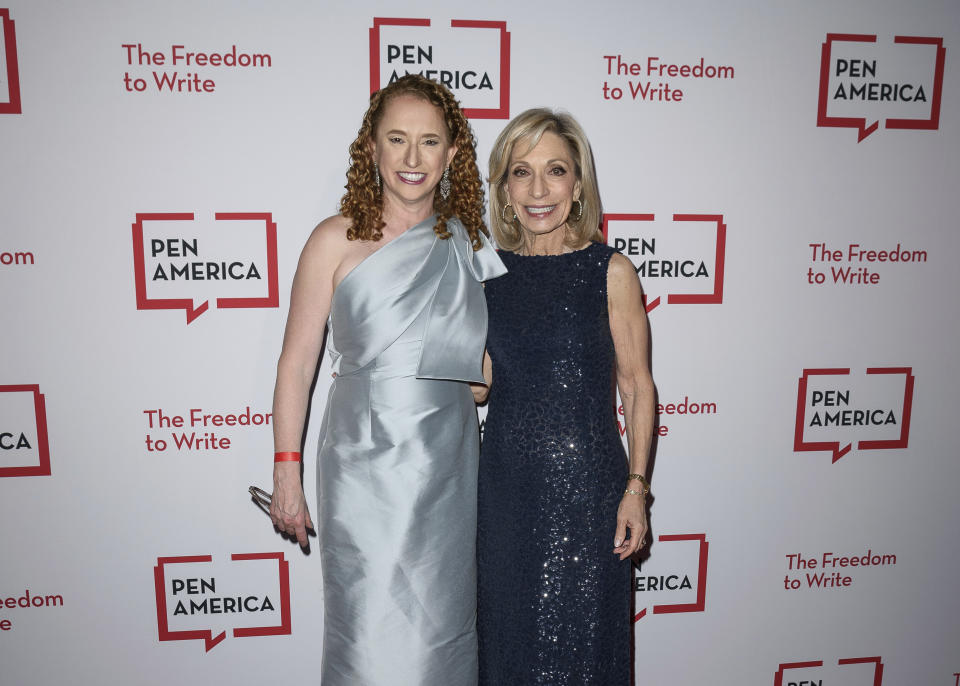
<point x="628" y="326"/>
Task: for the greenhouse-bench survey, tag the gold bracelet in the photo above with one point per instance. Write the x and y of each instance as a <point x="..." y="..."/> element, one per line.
<point x="630" y="491"/>
<point x="642" y="479"/>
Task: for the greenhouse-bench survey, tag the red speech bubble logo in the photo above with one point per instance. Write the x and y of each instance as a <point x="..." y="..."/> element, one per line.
<point x="930" y="121"/>
<point x="875" y="680"/>
<point x="206" y="635"/>
<point x="800" y="444"/>
<point x="27" y="404"/>
<point x="193" y="310"/>
<point x="10" y="85"/>
<point x="712" y="297"/>
<point x="461" y="82"/>
<point x="698" y="605"/>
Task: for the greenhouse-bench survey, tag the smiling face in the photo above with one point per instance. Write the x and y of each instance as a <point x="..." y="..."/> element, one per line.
<point x="411" y="147"/>
<point x="542" y="183"/>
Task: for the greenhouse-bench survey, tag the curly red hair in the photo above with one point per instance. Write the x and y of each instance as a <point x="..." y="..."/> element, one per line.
<point x="362" y="204"/>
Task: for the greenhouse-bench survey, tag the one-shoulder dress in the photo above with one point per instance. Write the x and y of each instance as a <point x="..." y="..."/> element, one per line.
<point x="397" y="463"/>
<point x="554" y="601"/>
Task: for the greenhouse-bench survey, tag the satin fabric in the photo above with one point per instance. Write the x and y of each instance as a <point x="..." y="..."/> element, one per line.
<point x="397" y="465"/>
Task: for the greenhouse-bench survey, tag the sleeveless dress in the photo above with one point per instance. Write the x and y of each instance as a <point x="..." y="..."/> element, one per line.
<point x="397" y="464"/>
<point x="554" y="601"/>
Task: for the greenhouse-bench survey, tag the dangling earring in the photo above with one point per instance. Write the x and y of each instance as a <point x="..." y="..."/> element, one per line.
<point x="445" y="184"/>
<point x="580" y="213"/>
<point x="376" y="174"/>
<point x="503" y="214"/>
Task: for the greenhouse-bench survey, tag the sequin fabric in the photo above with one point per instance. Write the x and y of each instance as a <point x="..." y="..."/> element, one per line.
<point x="554" y="601"/>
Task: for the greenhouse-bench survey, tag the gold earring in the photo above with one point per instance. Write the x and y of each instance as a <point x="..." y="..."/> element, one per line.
<point x="580" y="213"/>
<point x="503" y="213"/>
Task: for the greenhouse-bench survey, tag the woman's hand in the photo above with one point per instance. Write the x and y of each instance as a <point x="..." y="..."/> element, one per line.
<point x="288" y="507"/>
<point x="632" y="514"/>
<point x="481" y="391"/>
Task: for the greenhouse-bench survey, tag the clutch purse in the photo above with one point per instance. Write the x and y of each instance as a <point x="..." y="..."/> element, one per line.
<point x="260" y="496"/>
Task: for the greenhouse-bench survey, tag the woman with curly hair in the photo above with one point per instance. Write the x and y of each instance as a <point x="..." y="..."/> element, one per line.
<point x="397" y="277"/>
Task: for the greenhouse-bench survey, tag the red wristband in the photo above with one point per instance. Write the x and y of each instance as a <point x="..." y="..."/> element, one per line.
<point x="286" y="457"/>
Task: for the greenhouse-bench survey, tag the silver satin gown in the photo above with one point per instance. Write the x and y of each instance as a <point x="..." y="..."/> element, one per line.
<point x="397" y="469"/>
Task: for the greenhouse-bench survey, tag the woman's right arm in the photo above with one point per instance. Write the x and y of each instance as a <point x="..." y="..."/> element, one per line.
<point x="310" y="300"/>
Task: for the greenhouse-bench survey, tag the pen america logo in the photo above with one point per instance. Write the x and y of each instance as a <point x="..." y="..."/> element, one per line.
<point x="9" y="72"/>
<point x="850" y="671"/>
<point x="24" y="448"/>
<point x="837" y="407"/>
<point x="865" y="80"/>
<point x="181" y="262"/>
<point x="679" y="259"/>
<point x="199" y="598"/>
<point x="471" y="58"/>
<point x="674" y="578"/>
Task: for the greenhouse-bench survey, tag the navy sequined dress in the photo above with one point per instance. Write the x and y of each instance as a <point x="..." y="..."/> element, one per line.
<point x="554" y="601"/>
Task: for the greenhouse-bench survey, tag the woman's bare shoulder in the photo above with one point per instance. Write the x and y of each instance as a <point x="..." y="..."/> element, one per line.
<point x="621" y="270"/>
<point x="331" y="230"/>
<point x="329" y="237"/>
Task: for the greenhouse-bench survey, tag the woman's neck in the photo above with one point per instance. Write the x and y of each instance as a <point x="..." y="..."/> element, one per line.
<point x="553" y="243"/>
<point x="399" y="217"/>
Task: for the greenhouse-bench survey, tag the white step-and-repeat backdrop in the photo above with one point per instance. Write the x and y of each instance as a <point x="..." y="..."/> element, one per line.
<point x="784" y="175"/>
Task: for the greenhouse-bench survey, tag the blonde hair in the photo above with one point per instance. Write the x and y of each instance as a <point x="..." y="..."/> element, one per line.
<point x="362" y="204"/>
<point x="530" y="126"/>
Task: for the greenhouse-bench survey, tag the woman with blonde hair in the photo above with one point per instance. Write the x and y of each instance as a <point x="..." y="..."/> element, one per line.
<point x="396" y="276"/>
<point x="561" y="508"/>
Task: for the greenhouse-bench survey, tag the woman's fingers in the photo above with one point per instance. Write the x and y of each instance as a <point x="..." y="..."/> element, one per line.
<point x="302" y="536"/>
<point x="293" y="526"/>
<point x="638" y="535"/>
<point x="637" y="525"/>
<point x="289" y="514"/>
<point x="299" y="524"/>
<point x="627" y="549"/>
<point x="621" y="534"/>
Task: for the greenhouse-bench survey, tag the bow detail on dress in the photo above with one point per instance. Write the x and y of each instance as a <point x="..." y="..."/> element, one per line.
<point x="453" y="340"/>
